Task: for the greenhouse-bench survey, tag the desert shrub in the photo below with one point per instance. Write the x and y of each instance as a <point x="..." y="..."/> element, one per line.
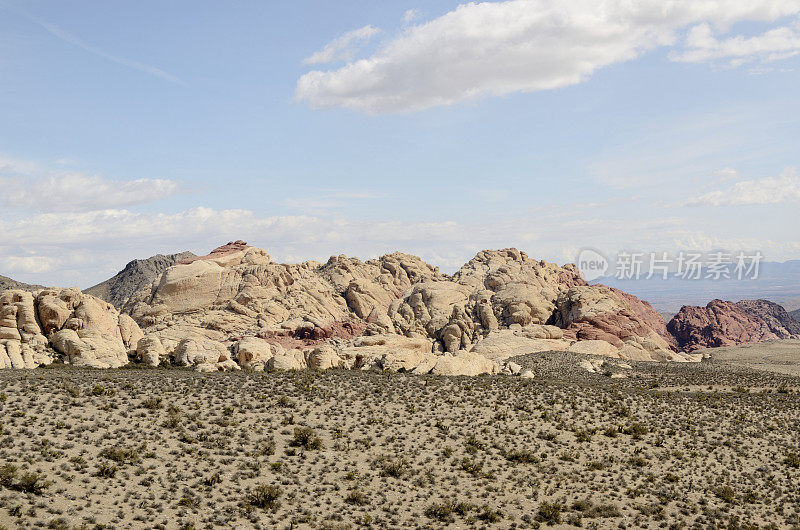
<point x="152" y="403"/>
<point x="522" y="456"/>
<point x="122" y="455"/>
<point x="549" y="512"/>
<point x="392" y="467"/>
<point x="725" y="493"/>
<point x="441" y="512"/>
<point x="306" y="438"/>
<point x="264" y="496"/>
<point x="489" y="514"/>
<point x="8" y="473"/>
<point x="356" y="497"/>
<point x="106" y="470"/>
<point x="31" y="482"/>
<point x="792" y="460"/>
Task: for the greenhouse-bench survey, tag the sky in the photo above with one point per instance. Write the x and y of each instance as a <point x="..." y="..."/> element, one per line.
<point x="437" y="128"/>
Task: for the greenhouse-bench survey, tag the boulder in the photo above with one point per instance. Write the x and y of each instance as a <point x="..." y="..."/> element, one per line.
<point x="90" y="348"/>
<point x="464" y="363"/>
<point x="200" y="351"/>
<point x="506" y="343"/>
<point x="324" y="357"/>
<point x="595" y="347"/>
<point x="287" y="360"/>
<point x="150" y="351"/>
<point x="252" y="353"/>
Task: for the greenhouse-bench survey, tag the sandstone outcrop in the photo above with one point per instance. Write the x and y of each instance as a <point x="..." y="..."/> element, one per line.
<point x="775" y="316"/>
<point x="718" y="324"/>
<point x="137" y="275"/>
<point x="236" y="308"/>
<point x="65" y="324"/>
<point x="392" y="313"/>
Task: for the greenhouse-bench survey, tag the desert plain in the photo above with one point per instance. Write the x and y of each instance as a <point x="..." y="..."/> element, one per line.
<point x="633" y="445"/>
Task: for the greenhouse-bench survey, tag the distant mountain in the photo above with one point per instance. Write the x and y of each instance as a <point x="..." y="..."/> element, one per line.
<point x="137" y="275"/>
<point x="795" y="314"/>
<point x="8" y="283"/>
<point x="777" y="282"/>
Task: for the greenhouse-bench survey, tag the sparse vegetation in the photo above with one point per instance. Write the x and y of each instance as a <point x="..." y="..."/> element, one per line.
<point x="178" y="449"/>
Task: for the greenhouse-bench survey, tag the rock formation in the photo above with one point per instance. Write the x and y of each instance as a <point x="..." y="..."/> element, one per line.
<point x="392" y="313"/>
<point x="66" y="325"/>
<point x="775" y="316"/>
<point x="137" y="275"/>
<point x="236" y="308"/>
<point x="718" y="324"/>
<point x="7" y="283"/>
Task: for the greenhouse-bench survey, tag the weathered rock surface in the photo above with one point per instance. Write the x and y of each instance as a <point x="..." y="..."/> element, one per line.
<point x="137" y="275"/>
<point x="775" y="316"/>
<point x="236" y="308"/>
<point x="718" y="324"/>
<point x="36" y="329"/>
<point x="7" y="283"/>
<point x="392" y="313"/>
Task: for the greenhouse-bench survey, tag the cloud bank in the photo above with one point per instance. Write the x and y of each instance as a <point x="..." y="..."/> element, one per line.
<point x="498" y="48"/>
<point x="771" y="190"/>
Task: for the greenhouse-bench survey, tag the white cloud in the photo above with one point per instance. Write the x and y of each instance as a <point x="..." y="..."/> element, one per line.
<point x="28" y="186"/>
<point x="410" y="16"/>
<point x="319" y="201"/>
<point x="27" y="264"/>
<point x="497" y="48"/>
<point x="79" y="192"/>
<point x="342" y="48"/>
<point x="727" y="173"/>
<point x="770" y="190"/>
<point x="85" y="248"/>
<point x="775" y="44"/>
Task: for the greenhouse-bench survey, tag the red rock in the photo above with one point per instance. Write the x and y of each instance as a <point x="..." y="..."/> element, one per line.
<point x="224" y="250"/>
<point x="779" y="321"/>
<point x="649" y="316"/>
<point x="718" y="324"/>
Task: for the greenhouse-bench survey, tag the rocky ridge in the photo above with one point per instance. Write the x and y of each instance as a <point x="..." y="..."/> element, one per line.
<point x="722" y="323"/>
<point x="7" y="283"/>
<point x="66" y="325"/>
<point x="236" y="307"/>
<point x="137" y="275"/>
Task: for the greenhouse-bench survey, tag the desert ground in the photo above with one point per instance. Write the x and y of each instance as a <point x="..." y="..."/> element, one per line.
<point x="636" y="445"/>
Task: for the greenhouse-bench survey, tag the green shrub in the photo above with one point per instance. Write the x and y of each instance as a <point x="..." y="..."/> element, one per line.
<point x="8" y="473"/>
<point x="549" y="512"/>
<point x="264" y="496"/>
<point x="31" y="482"/>
<point x="306" y="438"/>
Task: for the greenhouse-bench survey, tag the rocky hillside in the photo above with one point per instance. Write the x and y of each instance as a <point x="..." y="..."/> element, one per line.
<point x="779" y="321"/>
<point x="396" y="312"/>
<point x="137" y="275"/>
<point x="727" y="324"/>
<point x="66" y="325"/>
<point x="237" y="308"/>
<point x="8" y="283"/>
<point x="795" y="315"/>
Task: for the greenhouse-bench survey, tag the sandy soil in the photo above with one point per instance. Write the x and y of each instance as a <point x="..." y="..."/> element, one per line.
<point x="705" y="445"/>
<point x="775" y="356"/>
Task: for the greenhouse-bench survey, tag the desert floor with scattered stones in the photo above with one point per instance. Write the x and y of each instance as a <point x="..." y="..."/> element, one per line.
<point x="708" y="445"/>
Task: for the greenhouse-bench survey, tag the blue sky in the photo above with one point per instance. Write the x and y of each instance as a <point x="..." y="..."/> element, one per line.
<point x="134" y="128"/>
